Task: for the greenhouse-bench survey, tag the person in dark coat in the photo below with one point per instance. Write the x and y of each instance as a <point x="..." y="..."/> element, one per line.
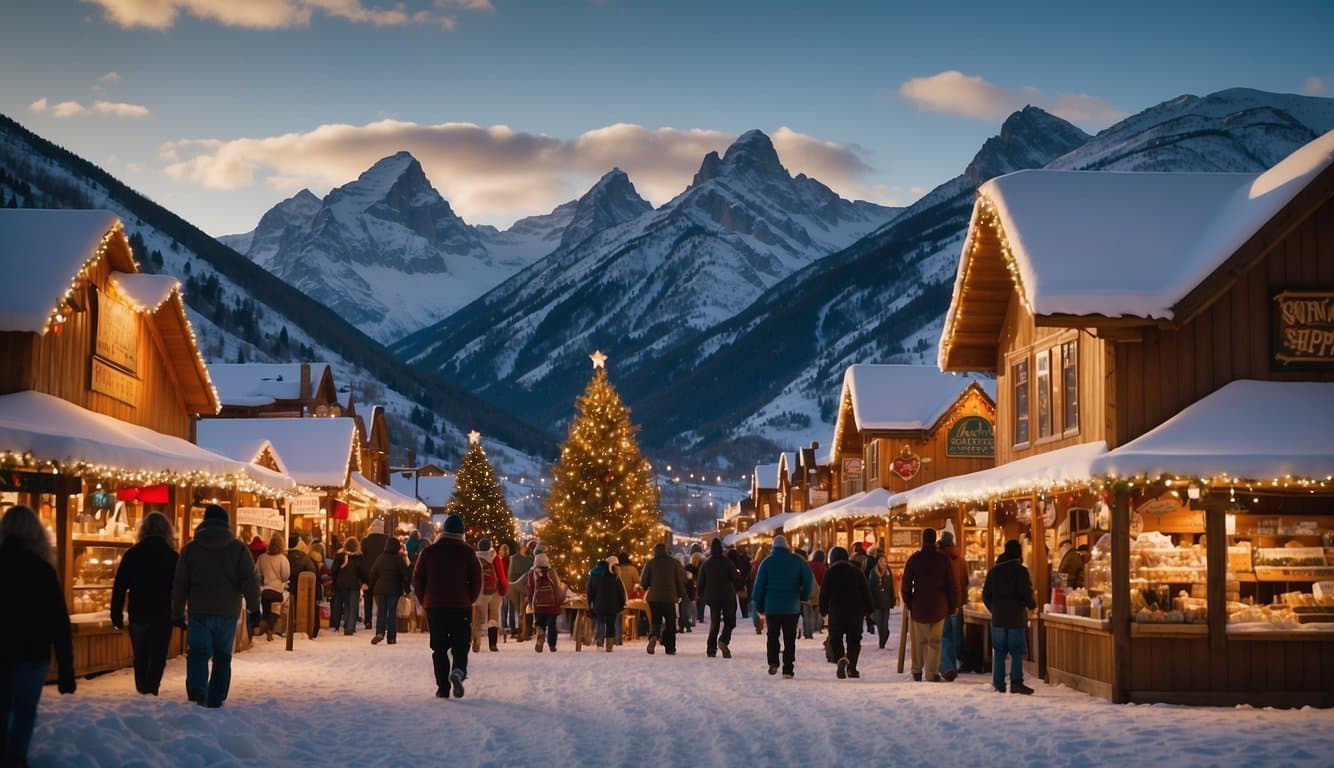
<point x="782" y="582"/>
<point x="299" y="562"/>
<point x="883" y="597"/>
<point x="741" y="560"/>
<point x="371" y="548"/>
<point x="519" y="565"/>
<point x="1008" y="594"/>
<point x="606" y="600"/>
<point x="929" y="595"/>
<point x="35" y="604"/>
<point x="951" y="635"/>
<point x="349" y="576"/>
<point x="845" y="597"/>
<point x="664" y="579"/>
<point x="146" y="573"/>
<point x="719" y="581"/>
<point x="447" y="580"/>
<point x="389" y="581"/>
<point x="214" y="572"/>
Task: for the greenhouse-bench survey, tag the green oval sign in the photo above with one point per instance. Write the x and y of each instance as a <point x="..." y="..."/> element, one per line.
<point x="971" y="436"/>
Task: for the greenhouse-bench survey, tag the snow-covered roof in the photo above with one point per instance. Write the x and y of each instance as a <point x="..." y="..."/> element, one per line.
<point x="434" y="491"/>
<point x="145" y="292"/>
<point x="1053" y="469"/>
<point x="44" y="250"/>
<point x="53" y="429"/>
<point x="770" y="525"/>
<point x="787" y="460"/>
<point x="386" y="498"/>
<point x="240" y="446"/>
<point x="1247" y="430"/>
<point x="766" y="476"/>
<point x="872" y="503"/>
<point x="252" y="384"/>
<point x="316" y="451"/>
<point x="891" y="397"/>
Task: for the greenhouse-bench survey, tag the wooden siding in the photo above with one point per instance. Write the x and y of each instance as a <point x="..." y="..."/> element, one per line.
<point x="1020" y="339"/>
<point x="1080" y="657"/>
<point x="1280" y="668"/>
<point x="1168" y="369"/>
<point x="930" y="446"/>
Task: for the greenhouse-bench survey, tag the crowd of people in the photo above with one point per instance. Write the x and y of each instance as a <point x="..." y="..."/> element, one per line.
<point x="463" y="590"/>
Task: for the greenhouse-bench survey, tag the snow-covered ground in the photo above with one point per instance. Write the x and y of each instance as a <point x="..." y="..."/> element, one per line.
<point x="340" y="701"/>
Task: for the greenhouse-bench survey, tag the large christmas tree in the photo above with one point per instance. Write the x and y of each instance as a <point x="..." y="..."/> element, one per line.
<point x="603" y="499"/>
<point x="479" y="498"/>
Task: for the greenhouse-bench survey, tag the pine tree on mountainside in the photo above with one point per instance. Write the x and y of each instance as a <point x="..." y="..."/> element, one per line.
<point x="603" y="498"/>
<point x="480" y="500"/>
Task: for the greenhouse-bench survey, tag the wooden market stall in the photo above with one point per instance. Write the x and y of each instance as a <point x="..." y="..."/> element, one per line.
<point x="97" y="398"/>
<point x="1102" y="332"/>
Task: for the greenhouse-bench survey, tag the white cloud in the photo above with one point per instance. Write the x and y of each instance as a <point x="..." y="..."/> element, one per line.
<point x="110" y="78"/>
<point x="1314" y="86"/>
<point x="75" y="109"/>
<point x="495" y="174"/>
<point x="274" y="14"/>
<point x="953" y="92"/>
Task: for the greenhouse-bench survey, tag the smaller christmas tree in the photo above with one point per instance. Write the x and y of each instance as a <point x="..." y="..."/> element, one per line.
<point x="480" y="500"/>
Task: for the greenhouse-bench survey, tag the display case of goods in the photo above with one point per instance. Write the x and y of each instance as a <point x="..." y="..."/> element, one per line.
<point x="94" y="572"/>
<point x="1291" y="563"/>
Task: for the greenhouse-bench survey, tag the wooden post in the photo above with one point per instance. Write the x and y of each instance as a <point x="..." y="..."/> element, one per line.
<point x="1120" y="596"/>
<point x="1215" y="537"/>
<point x="1042" y="577"/>
<point x="905" y="631"/>
<point x="289" y="618"/>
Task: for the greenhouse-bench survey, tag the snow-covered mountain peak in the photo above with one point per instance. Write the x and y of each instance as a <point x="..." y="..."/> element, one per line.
<point x="396" y="181"/>
<point x="612" y="200"/>
<point x="1028" y="138"/>
<point x="753" y="151"/>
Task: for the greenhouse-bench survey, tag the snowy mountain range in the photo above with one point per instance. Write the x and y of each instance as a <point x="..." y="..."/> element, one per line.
<point x="644" y="286"/>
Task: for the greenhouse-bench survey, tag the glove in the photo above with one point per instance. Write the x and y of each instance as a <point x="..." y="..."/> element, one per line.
<point x="253" y="619"/>
<point x="65" y="685"/>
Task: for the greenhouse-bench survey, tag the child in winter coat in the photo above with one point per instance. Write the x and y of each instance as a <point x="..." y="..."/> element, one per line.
<point x="883" y="597"/>
<point x="349" y="576"/>
<point x="546" y="593"/>
<point x="486" y="610"/>
<point x="846" y="599"/>
<point x="606" y="600"/>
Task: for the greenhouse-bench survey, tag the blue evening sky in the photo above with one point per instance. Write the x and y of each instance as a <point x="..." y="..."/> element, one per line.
<point x="831" y="73"/>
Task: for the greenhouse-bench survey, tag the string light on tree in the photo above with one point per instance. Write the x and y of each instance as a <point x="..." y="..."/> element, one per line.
<point x="603" y="499"/>
<point x="479" y="499"/>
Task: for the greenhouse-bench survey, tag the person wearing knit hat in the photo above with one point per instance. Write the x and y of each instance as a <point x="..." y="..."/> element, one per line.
<point x="213" y="573"/>
<point x="546" y="594"/>
<point x="929" y="596"/>
<point x="606" y="600"/>
<point x="782" y="583"/>
<point x="1008" y="594"/>
<point x="845" y="598"/>
<point x="486" y="609"/>
<point x="448" y="581"/>
<point x="719" y="581"/>
<point x="371" y="548"/>
<point x="664" y="582"/>
<point x="390" y="579"/>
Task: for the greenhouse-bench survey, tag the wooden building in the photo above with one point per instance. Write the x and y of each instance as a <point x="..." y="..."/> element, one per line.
<point x="101" y="384"/>
<point x="1115" y="310"/>
<point x="248" y="390"/>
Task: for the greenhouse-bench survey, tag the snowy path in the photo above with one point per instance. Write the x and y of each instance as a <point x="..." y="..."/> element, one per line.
<point x="339" y="701"/>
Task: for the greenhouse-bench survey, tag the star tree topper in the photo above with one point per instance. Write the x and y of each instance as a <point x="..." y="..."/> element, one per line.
<point x="474" y="437"/>
<point x="599" y="359"/>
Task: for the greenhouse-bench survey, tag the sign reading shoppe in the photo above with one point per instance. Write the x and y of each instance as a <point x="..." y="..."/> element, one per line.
<point x="1304" y="329"/>
<point x="971" y="436"/>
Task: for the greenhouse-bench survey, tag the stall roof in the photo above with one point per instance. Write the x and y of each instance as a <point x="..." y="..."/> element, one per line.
<point x="242" y="447"/>
<point x="872" y="503"/>
<point x="52" y="429"/>
<point x="386" y="497"/>
<point x="52" y="246"/>
<point x="251" y="384"/>
<point x="769" y="525"/>
<point x="894" y="397"/>
<point x="434" y="490"/>
<point x="1247" y="430"/>
<point x="1053" y="469"/>
<point x="317" y="452"/>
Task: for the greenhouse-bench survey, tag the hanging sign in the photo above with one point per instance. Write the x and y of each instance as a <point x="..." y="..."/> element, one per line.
<point x="971" y="436"/>
<point x="117" y="339"/>
<point x="260" y="517"/>
<point x="1304" y="329"/>
<point x="304" y="504"/>
<point x="907" y="464"/>
<point x="113" y="382"/>
<point x="340" y="510"/>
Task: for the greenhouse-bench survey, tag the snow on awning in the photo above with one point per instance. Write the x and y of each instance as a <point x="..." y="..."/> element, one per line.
<point x="1248" y="430"/>
<point x="386" y="498"/>
<point x="733" y="539"/>
<point x="144" y="291"/>
<point x="51" y="429"/>
<point x="770" y="525"/>
<point x="45" y="250"/>
<point x="1053" y="469"/>
<point x="872" y="503"/>
<point x="316" y="452"/>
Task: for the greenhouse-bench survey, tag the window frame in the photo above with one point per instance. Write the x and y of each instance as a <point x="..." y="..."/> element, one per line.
<point x="1069" y="365"/>
<point x="1021" y="415"/>
<point x="1045" y="395"/>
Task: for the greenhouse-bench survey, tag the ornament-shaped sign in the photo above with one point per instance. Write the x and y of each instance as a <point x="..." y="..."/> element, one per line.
<point x="907" y="465"/>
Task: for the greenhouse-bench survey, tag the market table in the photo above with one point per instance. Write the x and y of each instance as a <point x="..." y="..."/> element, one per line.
<point x="630" y="617"/>
<point x="579" y="628"/>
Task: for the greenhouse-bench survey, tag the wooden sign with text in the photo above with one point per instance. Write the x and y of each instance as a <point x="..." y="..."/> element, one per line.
<point x="1304" y="329"/>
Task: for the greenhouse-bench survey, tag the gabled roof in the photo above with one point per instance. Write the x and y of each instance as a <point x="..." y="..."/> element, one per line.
<point x="891" y="398"/>
<point x="1105" y="244"/>
<point x="316" y="452"/>
<point x="254" y="384"/>
<point x="766" y="477"/>
<point x="386" y="498"/>
<point x="787" y="464"/>
<point x="241" y="446"/>
<point x="434" y="490"/>
<point x="45" y="250"/>
<point x="148" y="294"/>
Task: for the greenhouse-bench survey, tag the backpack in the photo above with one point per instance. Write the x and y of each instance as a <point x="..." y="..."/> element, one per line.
<point x="489" y="585"/>
<point x="544" y="593"/>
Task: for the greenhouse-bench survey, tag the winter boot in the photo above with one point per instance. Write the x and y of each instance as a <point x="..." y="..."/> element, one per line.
<point x="608" y="643"/>
<point x="724" y="650"/>
<point x="842" y="668"/>
<point x="493" y="638"/>
<point x="1020" y="688"/>
<point x="652" y="643"/>
<point x="540" y="641"/>
<point x="379" y="638"/>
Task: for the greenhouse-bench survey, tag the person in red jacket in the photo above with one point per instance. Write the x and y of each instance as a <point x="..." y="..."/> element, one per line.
<point x="448" y="579"/>
<point x="486" y="611"/>
<point x="928" y="594"/>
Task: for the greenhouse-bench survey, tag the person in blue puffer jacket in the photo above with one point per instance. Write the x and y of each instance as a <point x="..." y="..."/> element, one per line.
<point x="783" y="582"/>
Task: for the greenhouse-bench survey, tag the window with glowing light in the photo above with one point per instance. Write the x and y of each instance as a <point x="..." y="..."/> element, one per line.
<point x="1070" y="386"/>
<point x="1020" y="376"/>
